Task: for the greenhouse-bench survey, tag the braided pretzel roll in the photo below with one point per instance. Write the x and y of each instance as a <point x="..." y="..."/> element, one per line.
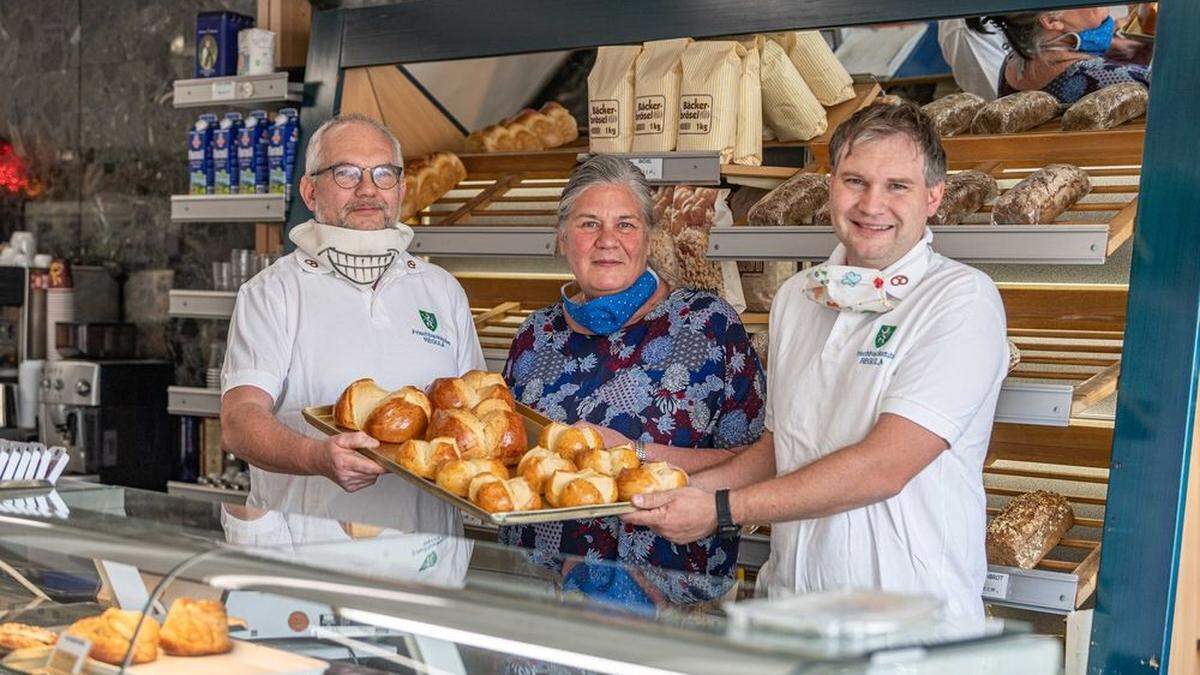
<point x="567" y="440"/>
<point x="495" y="496"/>
<point x="583" y="488"/>
<point x="650" y="477"/>
<point x="497" y="434"/>
<point x="455" y="476"/>
<point x="470" y="390"/>
<point x="424" y="458"/>
<point x="393" y="417"/>
<point x="539" y="464"/>
<point x="609" y="462"/>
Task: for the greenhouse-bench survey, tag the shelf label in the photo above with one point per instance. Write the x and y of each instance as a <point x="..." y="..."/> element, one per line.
<point x="222" y="91"/>
<point x="652" y="167"/>
<point x="995" y="587"/>
<point x="69" y="655"/>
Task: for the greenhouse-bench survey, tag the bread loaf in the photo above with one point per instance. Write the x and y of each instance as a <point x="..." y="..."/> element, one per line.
<point x="1106" y="108"/>
<point x="965" y="193"/>
<point x="662" y="257"/>
<point x="195" y="628"/>
<point x="953" y="114"/>
<point x="497" y="434"/>
<point x="455" y="476"/>
<point x="584" y="488"/>
<point x="1015" y="112"/>
<point x="493" y="138"/>
<point x="609" y="462"/>
<point x="539" y="464"/>
<point x="112" y="632"/>
<point x="528" y="130"/>
<point x="650" y="477"/>
<point x="501" y="496"/>
<point x="424" y="458"/>
<point x="15" y="636"/>
<point x="1028" y="528"/>
<point x="566" y="129"/>
<point x="794" y="202"/>
<point x="356" y="403"/>
<point x="428" y="179"/>
<point x="695" y="269"/>
<point x="399" y="416"/>
<point x="1042" y="196"/>
<point x="567" y="440"/>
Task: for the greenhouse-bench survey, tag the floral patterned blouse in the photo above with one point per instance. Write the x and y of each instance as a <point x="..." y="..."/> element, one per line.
<point x="683" y="375"/>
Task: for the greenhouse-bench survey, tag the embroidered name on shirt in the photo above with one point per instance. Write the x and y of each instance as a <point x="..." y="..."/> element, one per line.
<point x="876" y="357"/>
<point x="431" y="338"/>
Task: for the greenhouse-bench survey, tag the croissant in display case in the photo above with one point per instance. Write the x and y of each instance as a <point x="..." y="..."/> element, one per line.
<point x="424" y="458"/>
<point x="539" y="464"/>
<point x="389" y="417"/>
<point x="649" y="477"/>
<point x="567" y="440"/>
<point x="495" y="495"/>
<point x="455" y="476"/>
<point x="112" y="632"/>
<point x="195" y="628"/>
<point x="609" y="462"/>
<point x="583" y="488"/>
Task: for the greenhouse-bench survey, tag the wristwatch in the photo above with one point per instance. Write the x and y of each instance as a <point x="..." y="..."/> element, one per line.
<point x="726" y="528"/>
<point x="639" y="449"/>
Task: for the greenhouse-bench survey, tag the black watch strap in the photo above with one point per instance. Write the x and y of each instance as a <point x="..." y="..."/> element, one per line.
<point x="726" y="528"/>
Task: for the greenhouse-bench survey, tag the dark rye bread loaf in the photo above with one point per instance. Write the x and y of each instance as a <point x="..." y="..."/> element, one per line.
<point x="1028" y="528"/>
<point x="1042" y="196"/>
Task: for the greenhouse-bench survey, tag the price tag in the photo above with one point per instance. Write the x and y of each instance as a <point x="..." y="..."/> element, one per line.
<point x="222" y="91"/>
<point x="652" y="167"/>
<point x="995" y="587"/>
<point x="69" y="655"/>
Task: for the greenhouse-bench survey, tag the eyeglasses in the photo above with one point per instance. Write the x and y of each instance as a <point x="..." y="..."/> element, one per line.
<point x="348" y="176"/>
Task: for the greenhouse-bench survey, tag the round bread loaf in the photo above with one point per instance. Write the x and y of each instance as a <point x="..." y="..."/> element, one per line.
<point x="112" y="632"/>
<point x="609" y="462"/>
<point x="649" y="477"/>
<point x="455" y="476"/>
<point x="356" y="403"/>
<point x="583" y="488"/>
<point x="399" y="416"/>
<point x="567" y="440"/>
<point x="423" y="458"/>
<point x="195" y="628"/>
<point x="498" y="496"/>
<point x="539" y="464"/>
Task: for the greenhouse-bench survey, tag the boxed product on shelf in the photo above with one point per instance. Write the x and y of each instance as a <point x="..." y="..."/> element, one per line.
<point x="200" y="164"/>
<point x="282" y="137"/>
<point x="224" y="156"/>
<point x="251" y="152"/>
<point x="217" y="44"/>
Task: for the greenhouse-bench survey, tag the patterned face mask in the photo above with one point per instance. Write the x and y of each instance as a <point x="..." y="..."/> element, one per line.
<point x="606" y="314"/>
<point x="358" y="256"/>
<point x="847" y="288"/>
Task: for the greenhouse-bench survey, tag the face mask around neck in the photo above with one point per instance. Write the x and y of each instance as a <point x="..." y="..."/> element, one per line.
<point x="358" y="256"/>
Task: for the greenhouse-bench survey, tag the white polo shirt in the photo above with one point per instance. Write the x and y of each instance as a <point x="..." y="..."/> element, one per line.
<point x="938" y="359"/>
<point x="302" y="333"/>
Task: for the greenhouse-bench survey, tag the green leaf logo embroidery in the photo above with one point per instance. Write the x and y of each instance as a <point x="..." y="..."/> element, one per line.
<point x="885" y="333"/>
<point x="430" y="319"/>
<point x="431" y="559"/>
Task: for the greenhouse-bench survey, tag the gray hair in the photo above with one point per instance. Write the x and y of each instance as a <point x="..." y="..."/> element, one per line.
<point x="312" y="156"/>
<point x="881" y="120"/>
<point x="607" y="170"/>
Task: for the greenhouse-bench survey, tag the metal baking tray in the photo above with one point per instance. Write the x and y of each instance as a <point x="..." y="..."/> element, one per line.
<point x="321" y="417"/>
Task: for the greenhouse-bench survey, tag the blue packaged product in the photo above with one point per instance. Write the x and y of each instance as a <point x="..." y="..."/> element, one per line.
<point x="216" y="42"/>
<point x="251" y="148"/>
<point x="277" y="135"/>
<point x="200" y="165"/>
<point x="224" y="154"/>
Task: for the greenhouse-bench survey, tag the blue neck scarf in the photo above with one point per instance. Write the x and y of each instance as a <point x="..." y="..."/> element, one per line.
<point x="1097" y="40"/>
<point x="606" y="314"/>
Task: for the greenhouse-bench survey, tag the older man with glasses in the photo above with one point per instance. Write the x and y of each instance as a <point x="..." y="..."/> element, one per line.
<point x="350" y="302"/>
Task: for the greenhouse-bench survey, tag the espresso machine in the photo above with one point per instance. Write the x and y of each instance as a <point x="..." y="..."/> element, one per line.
<point x="111" y="416"/>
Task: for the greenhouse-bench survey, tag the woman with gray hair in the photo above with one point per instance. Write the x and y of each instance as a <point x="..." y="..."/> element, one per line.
<point x="625" y="352"/>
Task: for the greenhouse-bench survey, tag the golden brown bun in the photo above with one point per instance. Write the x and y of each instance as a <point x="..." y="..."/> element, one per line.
<point x="455" y="476"/>
<point x="494" y="138"/>
<point x="195" y="628"/>
<point x="356" y="403"/>
<point x="488" y="385"/>
<point x="423" y="458"/>
<point x="499" y="434"/>
<point x="111" y="632"/>
<point x="650" y="477"/>
<point x="567" y="440"/>
<point x="497" y="496"/>
<point x="428" y="179"/>
<point x="567" y="129"/>
<point x="492" y="405"/>
<point x="609" y="462"/>
<point x="539" y="464"/>
<point x="508" y="430"/>
<point x="19" y="636"/>
<point x="399" y="416"/>
<point x="469" y="391"/>
<point x="584" y="488"/>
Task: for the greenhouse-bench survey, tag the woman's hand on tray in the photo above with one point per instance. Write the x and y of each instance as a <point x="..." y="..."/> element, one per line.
<point x="337" y="460"/>
<point x="682" y="515"/>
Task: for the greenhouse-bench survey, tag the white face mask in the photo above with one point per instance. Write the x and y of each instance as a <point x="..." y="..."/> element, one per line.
<point x="359" y="256"/>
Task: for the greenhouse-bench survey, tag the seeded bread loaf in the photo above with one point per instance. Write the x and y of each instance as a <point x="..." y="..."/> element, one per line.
<point x="1028" y="528"/>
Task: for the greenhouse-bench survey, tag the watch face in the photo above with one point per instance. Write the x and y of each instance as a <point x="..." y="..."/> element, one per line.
<point x="728" y="531"/>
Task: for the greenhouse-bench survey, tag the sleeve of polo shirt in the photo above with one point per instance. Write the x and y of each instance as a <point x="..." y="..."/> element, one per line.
<point x="258" y="350"/>
<point x="955" y="365"/>
<point x="470" y="354"/>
